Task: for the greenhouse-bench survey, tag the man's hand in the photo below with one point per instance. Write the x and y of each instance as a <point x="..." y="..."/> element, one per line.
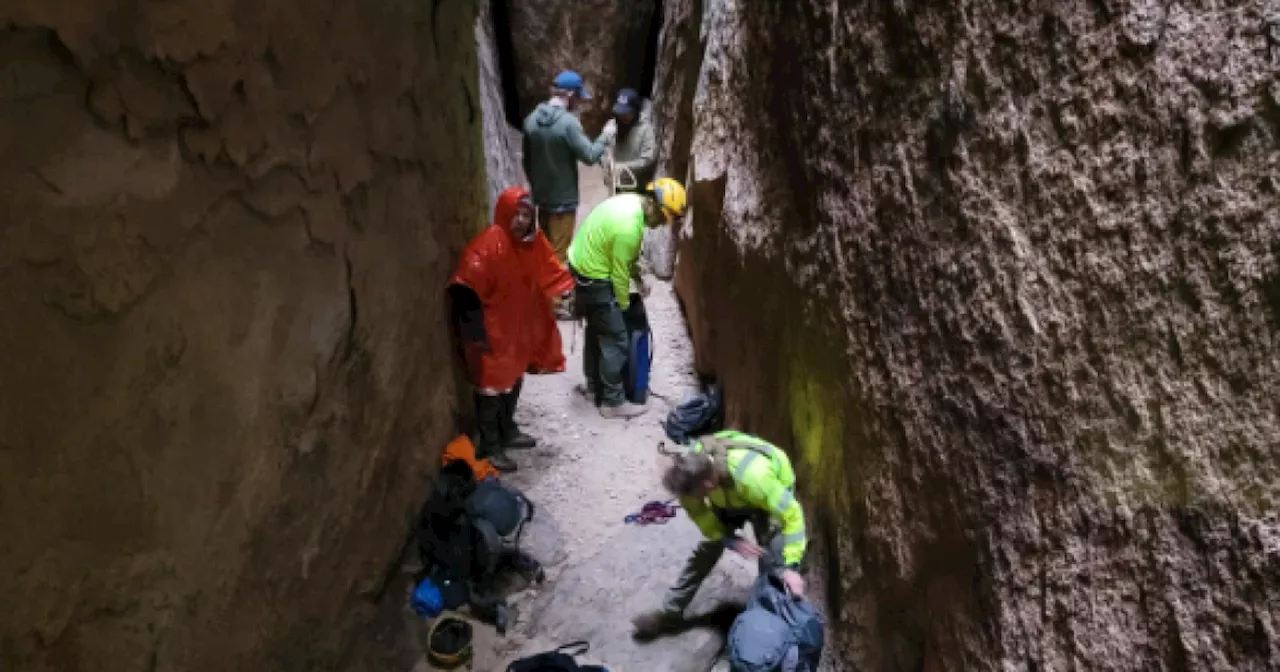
<point x="794" y="582"/>
<point x="746" y="549"/>
<point x="610" y="129"/>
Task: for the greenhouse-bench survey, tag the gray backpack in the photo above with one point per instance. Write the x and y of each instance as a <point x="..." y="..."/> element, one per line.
<point x="776" y="633"/>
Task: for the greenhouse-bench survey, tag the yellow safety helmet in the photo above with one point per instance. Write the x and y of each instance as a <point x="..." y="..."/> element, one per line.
<point x="670" y="195"/>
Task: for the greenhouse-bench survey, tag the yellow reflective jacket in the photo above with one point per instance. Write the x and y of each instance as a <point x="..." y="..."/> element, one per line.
<point x="763" y="481"/>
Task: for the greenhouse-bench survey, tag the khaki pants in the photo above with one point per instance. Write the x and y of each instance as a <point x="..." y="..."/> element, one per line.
<point x="707" y="554"/>
<point x="559" y="230"/>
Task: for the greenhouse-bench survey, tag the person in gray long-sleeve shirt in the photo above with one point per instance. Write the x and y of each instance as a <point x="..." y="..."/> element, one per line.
<point x="553" y="145"/>
<point x="635" y="152"/>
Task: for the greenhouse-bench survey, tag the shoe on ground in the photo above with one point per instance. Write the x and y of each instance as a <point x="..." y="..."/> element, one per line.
<point x="650" y="624"/>
<point x="520" y="440"/>
<point x="624" y="410"/>
<point x="502" y="462"/>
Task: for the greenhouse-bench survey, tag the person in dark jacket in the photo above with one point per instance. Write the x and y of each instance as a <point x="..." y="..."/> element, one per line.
<point x="635" y="151"/>
<point x="554" y="143"/>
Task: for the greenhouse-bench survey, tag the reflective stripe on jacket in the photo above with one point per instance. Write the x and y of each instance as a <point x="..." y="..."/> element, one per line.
<point x="763" y="480"/>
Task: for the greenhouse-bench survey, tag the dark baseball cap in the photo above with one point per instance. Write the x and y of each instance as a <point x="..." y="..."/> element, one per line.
<point x="628" y="102"/>
<point x="572" y="81"/>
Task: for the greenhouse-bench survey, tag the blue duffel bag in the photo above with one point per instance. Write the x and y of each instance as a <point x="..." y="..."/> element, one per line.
<point x="635" y="375"/>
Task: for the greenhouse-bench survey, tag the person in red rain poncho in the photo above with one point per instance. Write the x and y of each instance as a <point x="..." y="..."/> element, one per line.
<point x="502" y="294"/>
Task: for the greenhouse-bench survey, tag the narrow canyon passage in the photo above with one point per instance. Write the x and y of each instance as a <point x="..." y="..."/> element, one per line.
<point x="1003" y="280"/>
<point x="587" y="474"/>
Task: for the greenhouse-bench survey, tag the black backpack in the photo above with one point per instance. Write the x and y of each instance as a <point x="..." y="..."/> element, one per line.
<point x="560" y="660"/>
<point x="465" y="524"/>
<point x="467" y="532"/>
<point x="699" y="414"/>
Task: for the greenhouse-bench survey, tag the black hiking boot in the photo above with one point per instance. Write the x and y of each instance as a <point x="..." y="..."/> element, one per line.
<point x="518" y="441"/>
<point x="502" y="462"/>
<point x="512" y="437"/>
<point x="651" y="624"/>
<point x="489" y="411"/>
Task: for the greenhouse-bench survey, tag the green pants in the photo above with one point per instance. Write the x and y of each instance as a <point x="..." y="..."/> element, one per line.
<point x="605" y="353"/>
<point x="707" y="554"/>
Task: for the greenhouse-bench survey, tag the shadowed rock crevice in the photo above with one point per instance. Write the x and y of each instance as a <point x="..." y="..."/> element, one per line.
<point x="504" y="50"/>
<point x="603" y="40"/>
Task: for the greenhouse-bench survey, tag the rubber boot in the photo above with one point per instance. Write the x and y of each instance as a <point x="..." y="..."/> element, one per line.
<point x="651" y="624"/>
<point x="512" y="437"/>
<point x="489" y="419"/>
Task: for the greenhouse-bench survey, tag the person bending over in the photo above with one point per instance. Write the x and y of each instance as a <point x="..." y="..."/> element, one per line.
<point x="603" y="259"/>
<point x="726" y="480"/>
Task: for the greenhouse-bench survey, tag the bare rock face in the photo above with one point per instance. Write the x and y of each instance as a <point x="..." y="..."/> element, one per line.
<point x="1005" y="279"/>
<point x="680" y="49"/>
<point x="603" y="40"/>
<point x="225" y="381"/>
<point x="501" y="138"/>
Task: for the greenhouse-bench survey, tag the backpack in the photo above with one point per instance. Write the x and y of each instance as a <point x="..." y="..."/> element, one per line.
<point x="776" y="633"/>
<point x="465" y="525"/>
<point x="698" y="414"/>
<point x="496" y="511"/>
<point x="635" y="373"/>
<point x="559" y="660"/>
<point x="760" y="641"/>
<point x="467" y="533"/>
<point x="441" y="529"/>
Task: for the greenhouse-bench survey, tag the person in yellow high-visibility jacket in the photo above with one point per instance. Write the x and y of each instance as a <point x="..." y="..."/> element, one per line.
<point x="728" y="479"/>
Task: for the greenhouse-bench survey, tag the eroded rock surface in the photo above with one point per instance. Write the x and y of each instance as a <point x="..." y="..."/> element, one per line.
<point x="603" y="40"/>
<point x="1005" y="279"/>
<point x="680" y="49"/>
<point x="225" y="378"/>
<point x="501" y="137"/>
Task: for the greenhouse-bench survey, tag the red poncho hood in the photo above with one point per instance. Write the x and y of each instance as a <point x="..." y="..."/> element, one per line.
<point x="515" y="281"/>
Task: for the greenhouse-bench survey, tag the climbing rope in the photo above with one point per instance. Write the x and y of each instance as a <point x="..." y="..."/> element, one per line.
<point x="653" y="513"/>
<point x="617" y="175"/>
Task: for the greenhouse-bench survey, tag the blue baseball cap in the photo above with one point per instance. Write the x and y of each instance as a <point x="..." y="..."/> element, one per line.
<point x="628" y="102"/>
<point x="572" y="81"/>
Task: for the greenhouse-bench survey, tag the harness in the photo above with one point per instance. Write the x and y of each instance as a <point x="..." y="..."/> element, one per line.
<point x="717" y="448"/>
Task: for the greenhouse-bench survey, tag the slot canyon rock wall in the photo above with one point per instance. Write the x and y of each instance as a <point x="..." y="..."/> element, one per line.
<point x="501" y="138"/>
<point x="225" y="386"/>
<point x="680" y="49"/>
<point x="603" y="40"/>
<point x="1004" y="277"/>
<point x="680" y="46"/>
